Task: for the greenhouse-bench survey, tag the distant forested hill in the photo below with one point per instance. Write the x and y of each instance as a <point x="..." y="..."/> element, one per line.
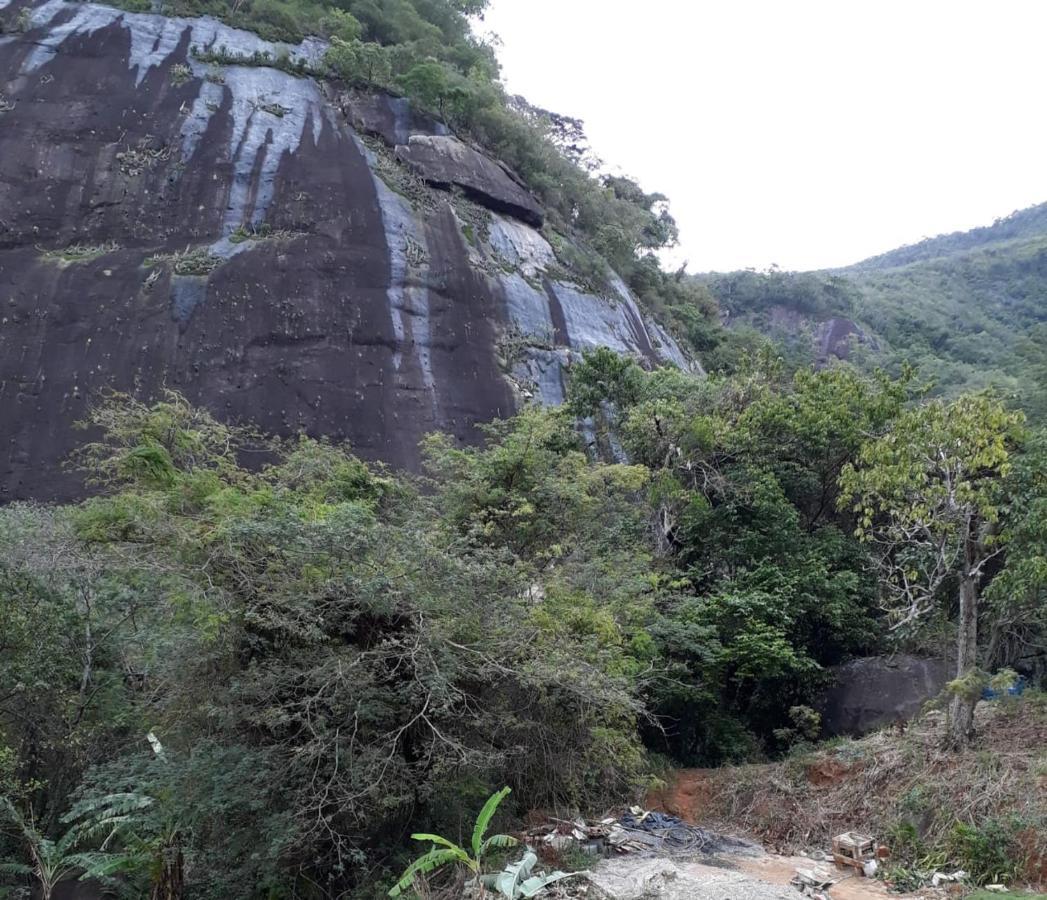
<point x="1025" y="223"/>
<point x="968" y="309"/>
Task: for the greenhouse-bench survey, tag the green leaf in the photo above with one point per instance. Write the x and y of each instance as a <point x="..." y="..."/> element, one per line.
<point x="532" y="886"/>
<point x="498" y="841"/>
<point x="484" y="819"/>
<point x="436" y="839"/>
<point x="434" y="859"/>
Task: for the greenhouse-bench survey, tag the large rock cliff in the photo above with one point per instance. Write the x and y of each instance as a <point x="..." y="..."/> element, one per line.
<point x="281" y="251"/>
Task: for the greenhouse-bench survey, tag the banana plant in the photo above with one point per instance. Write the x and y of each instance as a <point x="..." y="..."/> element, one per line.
<point x="515" y="880"/>
<point x="444" y="852"/>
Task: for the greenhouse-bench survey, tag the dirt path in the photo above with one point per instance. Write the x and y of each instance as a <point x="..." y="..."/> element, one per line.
<point x="781" y="869"/>
<point x="764" y="877"/>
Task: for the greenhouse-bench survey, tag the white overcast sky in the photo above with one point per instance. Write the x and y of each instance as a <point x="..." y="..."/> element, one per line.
<point x="804" y="133"/>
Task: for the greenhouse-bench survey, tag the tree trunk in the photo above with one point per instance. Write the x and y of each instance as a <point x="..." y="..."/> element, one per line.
<point x="171" y="882"/>
<point x="961" y="710"/>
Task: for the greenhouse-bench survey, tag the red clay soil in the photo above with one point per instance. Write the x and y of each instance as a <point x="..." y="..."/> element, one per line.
<point x="1035" y="856"/>
<point x="829" y="770"/>
<point x="689" y="795"/>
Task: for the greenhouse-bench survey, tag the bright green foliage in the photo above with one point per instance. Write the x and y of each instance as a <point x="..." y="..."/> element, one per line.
<point x="531" y="488"/>
<point x="744" y="484"/>
<point x="574" y="535"/>
<point x="216" y="809"/>
<point x="925" y="489"/>
<point x="358" y="62"/>
<point x="988" y="852"/>
<point x="928" y="496"/>
<point x="337" y="24"/>
<point x="965" y="309"/>
<point x="380" y="649"/>
<point x="605" y="377"/>
<point x="1017" y="597"/>
<point x="67" y="625"/>
<point x="445" y="852"/>
<point x="51" y="861"/>
<point x="516" y="881"/>
<point x="366" y="647"/>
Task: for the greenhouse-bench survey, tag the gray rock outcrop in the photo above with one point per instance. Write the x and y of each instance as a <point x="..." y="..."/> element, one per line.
<point x="248" y="237"/>
<point x="444" y="161"/>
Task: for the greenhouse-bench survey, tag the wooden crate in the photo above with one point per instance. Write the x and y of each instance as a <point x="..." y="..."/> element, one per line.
<point x="853" y="849"/>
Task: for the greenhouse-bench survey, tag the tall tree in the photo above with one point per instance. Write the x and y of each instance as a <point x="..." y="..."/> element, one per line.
<point x="928" y="495"/>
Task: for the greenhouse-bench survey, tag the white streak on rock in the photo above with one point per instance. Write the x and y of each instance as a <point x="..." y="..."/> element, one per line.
<point x="520" y="246"/>
<point x="204" y="106"/>
<point x="258" y="131"/>
<point x="154" y="38"/>
<point x="408" y="295"/>
<point x="527" y="307"/>
<point x="594" y="321"/>
<point x="544" y="369"/>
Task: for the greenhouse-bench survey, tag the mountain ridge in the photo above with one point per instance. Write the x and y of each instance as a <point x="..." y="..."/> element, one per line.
<point x="1027" y="222"/>
<point x="968" y="309"/>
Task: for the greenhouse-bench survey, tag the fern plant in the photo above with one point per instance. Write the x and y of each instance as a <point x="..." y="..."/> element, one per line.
<point x="444" y="852"/>
<point x="150" y="838"/>
<point x="51" y="861"/>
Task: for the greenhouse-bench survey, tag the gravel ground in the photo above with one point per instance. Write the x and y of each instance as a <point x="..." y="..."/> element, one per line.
<point x="629" y="878"/>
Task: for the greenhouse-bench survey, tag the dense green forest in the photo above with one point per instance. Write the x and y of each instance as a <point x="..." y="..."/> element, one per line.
<point x="1025" y="223"/>
<point x="968" y="310"/>
<point x="379" y="650"/>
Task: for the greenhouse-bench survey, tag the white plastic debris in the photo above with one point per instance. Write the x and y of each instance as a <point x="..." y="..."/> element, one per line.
<point x="559" y="841"/>
<point x="939" y="878"/>
<point x="812" y="881"/>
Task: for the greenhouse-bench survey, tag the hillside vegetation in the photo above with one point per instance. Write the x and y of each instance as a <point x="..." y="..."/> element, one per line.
<point x="1024" y="223"/>
<point x="969" y="310"/>
<point x="318" y="657"/>
<point x="982" y="811"/>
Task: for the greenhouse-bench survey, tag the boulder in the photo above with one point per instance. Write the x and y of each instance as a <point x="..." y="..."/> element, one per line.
<point x="880" y="690"/>
<point x="836" y="336"/>
<point x="393" y="119"/>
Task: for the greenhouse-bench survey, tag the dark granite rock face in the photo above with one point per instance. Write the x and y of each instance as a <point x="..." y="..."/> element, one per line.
<point x="393" y="119"/>
<point x="224" y="231"/>
<point x="445" y="161"/>
<point x="876" y="691"/>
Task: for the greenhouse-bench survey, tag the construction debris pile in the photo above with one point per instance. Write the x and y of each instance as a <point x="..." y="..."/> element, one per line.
<point x="636" y="831"/>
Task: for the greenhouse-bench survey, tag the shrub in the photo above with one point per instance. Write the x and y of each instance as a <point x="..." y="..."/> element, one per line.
<point x="986" y="851"/>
